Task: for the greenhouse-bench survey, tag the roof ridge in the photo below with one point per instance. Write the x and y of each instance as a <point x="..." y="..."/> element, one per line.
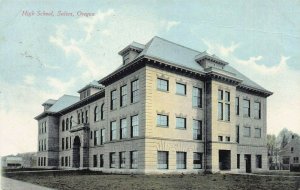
<point x="70" y="95"/>
<point x="177" y="44"/>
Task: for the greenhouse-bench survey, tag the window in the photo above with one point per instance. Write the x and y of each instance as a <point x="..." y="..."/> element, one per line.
<point x="62" y="143"/>
<point x="237" y="105"/>
<point x="134" y="126"/>
<point x="258" y="161"/>
<point x="102" y="111"/>
<point x="71" y="122"/>
<point x="197" y="97"/>
<point x="257" y="110"/>
<point x="228" y="139"/>
<point x="91" y="136"/>
<point x="246" y="108"/>
<point x="238" y="156"/>
<point x="220" y="95"/>
<point x="292" y="149"/>
<point x="180" y="123"/>
<point x="227" y="96"/>
<point x="96" y="137"/>
<point x="95" y="160"/>
<point x="197" y="130"/>
<point x="45" y="164"/>
<point x="123" y="96"/>
<point x="45" y="127"/>
<point x="220" y="111"/>
<point x="247" y="131"/>
<point x="181" y="160"/>
<point x="220" y="138"/>
<point x="180" y="89"/>
<point x="113" y="100"/>
<point x="86" y="116"/>
<point x="82" y="117"/>
<point x="123" y="128"/>
<point x="78" y="118"/>
<point x="101" y="160"/>
<point x="122" y="159"/>
<point x="162" y="159"/>
<point x="133" y="159"/>
<point x="296" y="160"/>
<point x="162" y="120"/>
<point x="197" y="160"/>
<point x="257" y="133"/>
<point x="67" y="124"/>
<point x="135" y="91"/>
<point x="96" y="113"/>
<point x="70" y="142"/>
<point x="162" y="84"/>
<point x="66" y="161"/>
<point x="237" y="128"/>
<point x="112" y="160"/>
<point x="67" y="142"/>
<point x="113" y="130"/>
<point x="227" y="112"/>
<point x="62" y="161"/>
<point x="63" y="125"/>
<point x="102" y="136"/>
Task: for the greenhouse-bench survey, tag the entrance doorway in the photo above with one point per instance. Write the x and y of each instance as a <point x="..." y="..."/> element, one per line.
<point x="248" y="163"/>
<point x="76" y="152"/>
<point x="224" y="160"/>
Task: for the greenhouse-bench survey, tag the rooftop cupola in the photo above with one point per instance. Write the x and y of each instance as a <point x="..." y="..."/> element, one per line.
<point x="130" y="52"/>
<point x="90" y="89"/>
<point x="210" y="61"/>
<point x="48" y="104"/>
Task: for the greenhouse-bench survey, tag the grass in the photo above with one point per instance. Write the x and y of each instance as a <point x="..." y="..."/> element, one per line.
<point x="96" y="180"/>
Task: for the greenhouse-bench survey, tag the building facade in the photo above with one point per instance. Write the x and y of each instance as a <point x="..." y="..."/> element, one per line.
<point x="166" y="109"/>
<point x="289" y="155"/>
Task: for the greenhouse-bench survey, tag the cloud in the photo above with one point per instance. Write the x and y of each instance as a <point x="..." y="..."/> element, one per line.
<point x="168" y="25"/>
<point x="60" y="87"/>
<point x="219" y="49"/>
<point x="263" y="69"/>
<point x="89" y="23"/>
<point x="29" y="79"/>
<point x="284" y="105"/>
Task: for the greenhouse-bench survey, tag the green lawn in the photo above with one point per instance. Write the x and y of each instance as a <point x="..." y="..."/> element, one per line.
<point x="95" y="180"/>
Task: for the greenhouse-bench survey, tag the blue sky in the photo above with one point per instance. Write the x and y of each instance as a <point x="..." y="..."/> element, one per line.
<point x="46" y="57"/>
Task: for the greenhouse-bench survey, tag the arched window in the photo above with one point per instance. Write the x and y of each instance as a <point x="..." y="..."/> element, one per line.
<point x="102" y="111"/>
<point x="67" y="124"/>
<point x="63" y="125"/>
<point x="71" y="121"/>
<point x="96" y="114"/>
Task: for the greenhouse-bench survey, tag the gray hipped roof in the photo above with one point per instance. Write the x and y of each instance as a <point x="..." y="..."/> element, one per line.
<point x="63" y="102"/>
<point x="179" y="55"/>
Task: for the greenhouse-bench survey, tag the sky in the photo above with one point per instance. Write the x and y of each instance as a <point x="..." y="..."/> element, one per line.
<point x="44" y="57"/>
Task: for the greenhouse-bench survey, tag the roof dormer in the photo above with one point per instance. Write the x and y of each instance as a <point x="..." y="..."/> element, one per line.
<point x="90" y="89"/>
<point x="130" y="52"/>
<point x="48" y="104"/>
<point x="210" y="61"/>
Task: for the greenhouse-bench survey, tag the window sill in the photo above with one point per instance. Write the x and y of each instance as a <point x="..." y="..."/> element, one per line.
<point x="180" y="128"/>
<point x="161" y="90"/>
<point x="134" y="102"/>
<point x="124" y="106"/>
<point x="220" y="120"/>
<point x="180" y="94"/>
<point x="162" y="126"/>
<point x="197" y="107"/>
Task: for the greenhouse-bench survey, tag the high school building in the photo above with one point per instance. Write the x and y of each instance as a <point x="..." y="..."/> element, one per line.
<point x="166" y="109"/>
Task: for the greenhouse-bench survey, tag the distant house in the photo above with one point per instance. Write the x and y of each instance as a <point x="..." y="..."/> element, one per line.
<point x="22" y="160"/>
<point x="290" y="154"/>
<point x="11" y="162"/>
